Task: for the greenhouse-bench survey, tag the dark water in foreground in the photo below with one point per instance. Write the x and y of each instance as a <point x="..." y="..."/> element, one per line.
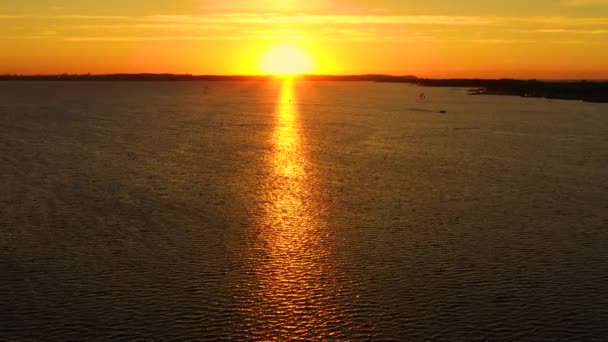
<point x="320" y="211"/>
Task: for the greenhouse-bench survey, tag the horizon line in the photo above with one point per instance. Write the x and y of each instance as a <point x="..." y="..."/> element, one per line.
<point x="379" y="75"/>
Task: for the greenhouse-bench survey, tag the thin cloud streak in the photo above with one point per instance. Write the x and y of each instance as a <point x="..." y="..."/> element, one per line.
<point x="66" y="17"/>
<point x="570" y="21"/>
<point x="199" y="38"/>
<point x="153" y="26"/>
<point x="564" y="31"/>
<point x="274" y="18"/>
<point x="243" y="18"/>
<point x="575" y="3"/>
<point x="323" y="19"/>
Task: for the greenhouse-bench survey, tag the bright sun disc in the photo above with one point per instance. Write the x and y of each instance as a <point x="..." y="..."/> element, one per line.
<point x="286" y="60"/>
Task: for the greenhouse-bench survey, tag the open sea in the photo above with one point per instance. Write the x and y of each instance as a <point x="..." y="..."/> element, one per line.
<point x="278" y="211"/>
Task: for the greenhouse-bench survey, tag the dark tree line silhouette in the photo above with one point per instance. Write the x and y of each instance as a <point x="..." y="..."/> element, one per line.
<point x="592" y="91"/>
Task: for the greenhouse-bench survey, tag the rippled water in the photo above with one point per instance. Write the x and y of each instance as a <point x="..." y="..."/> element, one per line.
<point x="311" y="211"/>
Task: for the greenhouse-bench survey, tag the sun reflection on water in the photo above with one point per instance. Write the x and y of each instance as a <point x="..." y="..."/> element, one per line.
<point x="294" y="294"/>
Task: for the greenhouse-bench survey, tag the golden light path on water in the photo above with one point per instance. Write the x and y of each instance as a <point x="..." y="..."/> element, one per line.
<point x="295" y="294"/>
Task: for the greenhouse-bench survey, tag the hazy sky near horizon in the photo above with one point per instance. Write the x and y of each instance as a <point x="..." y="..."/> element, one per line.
<point x="431" y="38"/>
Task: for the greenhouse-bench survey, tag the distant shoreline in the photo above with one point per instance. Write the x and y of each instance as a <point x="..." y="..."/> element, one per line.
<point x="589" y="91"/>
<point x="186" y="77"/>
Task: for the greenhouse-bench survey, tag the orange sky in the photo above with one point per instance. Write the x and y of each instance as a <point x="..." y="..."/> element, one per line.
<point x="432" y="38"/>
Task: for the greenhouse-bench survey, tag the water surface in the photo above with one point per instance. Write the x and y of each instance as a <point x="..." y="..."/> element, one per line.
<point x="312" y="211"/>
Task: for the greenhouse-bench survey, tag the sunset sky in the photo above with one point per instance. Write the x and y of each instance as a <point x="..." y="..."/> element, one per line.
<point x="428" y="38"/>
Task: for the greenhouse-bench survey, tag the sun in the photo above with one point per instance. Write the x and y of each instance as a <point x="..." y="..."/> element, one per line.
<point x="286" y="60"/>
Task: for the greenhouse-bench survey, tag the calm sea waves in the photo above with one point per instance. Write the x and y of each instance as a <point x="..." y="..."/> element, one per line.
<point x="311" y="211"/>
